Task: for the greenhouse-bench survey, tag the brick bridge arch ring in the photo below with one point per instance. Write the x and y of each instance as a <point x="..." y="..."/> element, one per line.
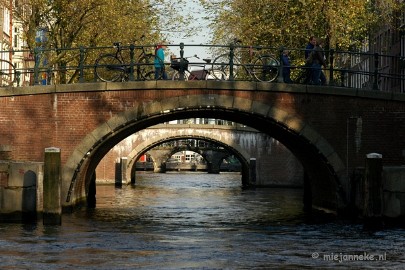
<point x="323" y="165"/>
<point x="140" y="149"/>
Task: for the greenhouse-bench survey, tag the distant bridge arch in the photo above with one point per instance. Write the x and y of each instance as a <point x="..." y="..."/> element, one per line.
<point x="319" y="159"/>
<point x="234" y="149"/>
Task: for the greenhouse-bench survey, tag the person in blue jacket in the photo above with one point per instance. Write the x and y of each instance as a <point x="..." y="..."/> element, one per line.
<point x="286" y="67"/>
<point x="159" y="62"/>
<point x="310" y="46"/>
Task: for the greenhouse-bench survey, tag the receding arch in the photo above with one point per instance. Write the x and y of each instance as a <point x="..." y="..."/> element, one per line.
<point x="142" y="148"/>
<point x="322" y="164"/>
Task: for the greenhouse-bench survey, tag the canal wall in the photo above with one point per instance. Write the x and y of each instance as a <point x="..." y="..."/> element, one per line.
<point x="392" y="190"/>
<point x="21" y="190"/>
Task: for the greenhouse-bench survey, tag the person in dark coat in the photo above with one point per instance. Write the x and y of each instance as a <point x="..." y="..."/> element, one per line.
<point x="318" y="61"/>
<point x="308" y="61"/>
<point x="286" y="67"/>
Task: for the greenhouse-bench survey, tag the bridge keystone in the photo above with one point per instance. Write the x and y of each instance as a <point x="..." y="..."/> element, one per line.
<point x="243" y="104"/>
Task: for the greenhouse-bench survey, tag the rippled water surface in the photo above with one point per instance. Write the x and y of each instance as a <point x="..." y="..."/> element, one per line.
<point x="197" y="221"/>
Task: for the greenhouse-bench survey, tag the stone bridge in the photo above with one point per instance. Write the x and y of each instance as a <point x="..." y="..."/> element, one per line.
<point x="329" y="130"/>
<point x="275" y="164"/>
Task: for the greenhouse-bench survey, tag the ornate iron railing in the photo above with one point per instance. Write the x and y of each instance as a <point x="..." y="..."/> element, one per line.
<point x="371" y="71"/>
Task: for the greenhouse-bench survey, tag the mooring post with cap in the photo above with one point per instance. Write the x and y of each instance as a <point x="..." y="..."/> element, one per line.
<point x="52" y="206"/>
<point x="373" y="193"/>
<point x="252" y="170"/>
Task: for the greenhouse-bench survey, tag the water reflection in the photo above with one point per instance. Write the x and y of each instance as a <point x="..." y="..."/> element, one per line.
<point x="194" y="221"/>
<point x="184" y="200"/>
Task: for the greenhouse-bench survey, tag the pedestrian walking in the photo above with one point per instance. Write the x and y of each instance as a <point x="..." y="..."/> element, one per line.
<point x="318" y="61"/>
<point x="308" y="59"/>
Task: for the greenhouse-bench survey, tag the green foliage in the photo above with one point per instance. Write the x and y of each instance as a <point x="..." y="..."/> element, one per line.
<point x="289" y="23"/>
<point x="93" y="23"/>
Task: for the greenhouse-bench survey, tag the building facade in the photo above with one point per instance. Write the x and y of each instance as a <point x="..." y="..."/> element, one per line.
<point x="379" y="63"/>
<point x="13" y="47"/>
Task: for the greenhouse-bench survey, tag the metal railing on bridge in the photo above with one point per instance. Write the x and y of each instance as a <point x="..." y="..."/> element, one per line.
<point x="373" y="71"/>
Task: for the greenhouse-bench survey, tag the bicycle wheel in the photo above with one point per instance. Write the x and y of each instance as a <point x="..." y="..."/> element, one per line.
<point x="216" y="75"/>
<point x="146" y="65"/>
<point x="222" y="64"/>
<point x="176" y="76"/>
<point x="265" y="68"/>
<point x="7" y="73"/>
<point x="109" y="68"/>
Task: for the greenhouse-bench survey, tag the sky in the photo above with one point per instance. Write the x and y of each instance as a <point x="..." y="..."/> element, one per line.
<point x="202" y="36"/>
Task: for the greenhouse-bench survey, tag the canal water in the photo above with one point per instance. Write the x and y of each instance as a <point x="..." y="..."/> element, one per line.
<point x="198" y="221"/>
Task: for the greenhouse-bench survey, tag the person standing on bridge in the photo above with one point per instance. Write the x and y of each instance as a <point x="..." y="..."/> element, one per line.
<point x="286" y="67"/>
<point x="308" y="58"/>
<point x="322" y="77"/>
<point x="318" y="60"/>
<point x="310" y="46"/>
<point x="160" y="62"/>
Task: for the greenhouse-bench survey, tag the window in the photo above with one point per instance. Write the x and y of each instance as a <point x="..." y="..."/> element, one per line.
<point x="6" y="22"/>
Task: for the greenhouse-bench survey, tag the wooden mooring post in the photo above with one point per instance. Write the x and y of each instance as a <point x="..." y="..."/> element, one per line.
<point x="252" y="170"/>
<point x="373" y="192"/>
<point x="52" y="212"/>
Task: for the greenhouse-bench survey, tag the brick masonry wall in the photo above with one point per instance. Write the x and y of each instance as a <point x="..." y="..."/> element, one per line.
<point x="30" y="123"/>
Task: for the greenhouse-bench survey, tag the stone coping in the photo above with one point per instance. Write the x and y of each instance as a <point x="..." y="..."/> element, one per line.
<point x="192" y="85"/>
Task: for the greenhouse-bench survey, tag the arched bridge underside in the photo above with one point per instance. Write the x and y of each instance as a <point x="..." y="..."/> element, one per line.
<point x="230" y="146"/>
<point x="314" y="123"/>
<point x="275" y="165"/>
<point x="319" y="159"/>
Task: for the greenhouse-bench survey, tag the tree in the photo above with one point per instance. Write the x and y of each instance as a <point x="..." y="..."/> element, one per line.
<point x="90" y="23"/>
<point x="289" y="23"/>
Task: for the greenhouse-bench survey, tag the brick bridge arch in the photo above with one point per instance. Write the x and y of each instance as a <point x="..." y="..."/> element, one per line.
<point x="328" y="129"/>
<point x="142" y="148"/>
<point x="320" y="161"/>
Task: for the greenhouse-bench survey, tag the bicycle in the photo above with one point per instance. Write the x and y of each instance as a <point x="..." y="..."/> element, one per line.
<point x="265" y="67"/>
<point x="200" y="74"/>
<point x="7" y="73"/>
<point x="112" y="67"/>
